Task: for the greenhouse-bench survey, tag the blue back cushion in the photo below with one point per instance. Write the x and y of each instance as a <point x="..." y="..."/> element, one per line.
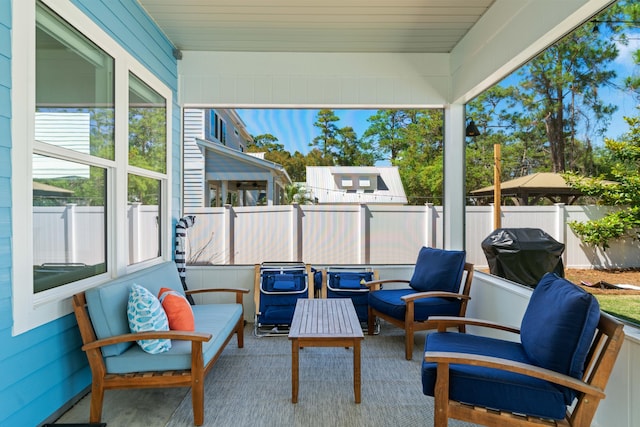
<point x="559" y="324"/>
<point x="349" y="280"/>
<point x="285" y="282"/>
<point x="107" y="304"/>
<point x="438" y="270"/>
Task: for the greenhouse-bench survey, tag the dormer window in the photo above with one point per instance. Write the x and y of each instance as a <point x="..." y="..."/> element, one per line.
<point x="346" y="182"/>
<point x="364" y="181"/>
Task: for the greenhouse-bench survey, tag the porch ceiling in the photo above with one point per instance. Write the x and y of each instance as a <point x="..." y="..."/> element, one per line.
<point x="373" y="26"/>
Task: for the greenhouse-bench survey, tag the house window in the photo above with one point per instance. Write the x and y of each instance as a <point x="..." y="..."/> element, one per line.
<point x="73" y="130"/>
<point x="346" y="182"/>
<point x="91" y="183"/>
<point x="217" y="128"/>
<point x="364" y="181"/>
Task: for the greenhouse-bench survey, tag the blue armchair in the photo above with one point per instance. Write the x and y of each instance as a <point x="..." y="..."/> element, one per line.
<point x="439" y="286"/>
<point x="567" y="350"/>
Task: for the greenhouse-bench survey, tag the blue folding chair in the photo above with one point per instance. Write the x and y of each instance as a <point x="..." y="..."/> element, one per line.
<point x="277" y="288"/>
<point x="349" y="282"/>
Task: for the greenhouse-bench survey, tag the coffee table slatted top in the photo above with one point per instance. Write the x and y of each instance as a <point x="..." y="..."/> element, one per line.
<point x="325" y="318"/>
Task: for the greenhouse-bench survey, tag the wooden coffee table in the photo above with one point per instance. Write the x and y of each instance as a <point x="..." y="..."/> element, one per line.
<point x="325" y="323"/>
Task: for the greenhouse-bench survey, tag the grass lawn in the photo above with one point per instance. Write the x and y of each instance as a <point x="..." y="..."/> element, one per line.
<point x="625" y="307"/>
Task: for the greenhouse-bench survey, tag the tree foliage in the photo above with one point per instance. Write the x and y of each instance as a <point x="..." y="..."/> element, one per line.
<point x="623" y="192"/>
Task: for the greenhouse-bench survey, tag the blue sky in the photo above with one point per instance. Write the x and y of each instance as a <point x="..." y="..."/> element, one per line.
<point x="294" y="128"/>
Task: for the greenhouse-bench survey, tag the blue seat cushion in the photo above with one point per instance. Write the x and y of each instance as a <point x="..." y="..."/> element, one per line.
<point x="389" y="301"/>
<point x="216" y="319"/>
<point x="438" y="270"/>
<point x="558" y="325"/>
<point x="490" y="387"/>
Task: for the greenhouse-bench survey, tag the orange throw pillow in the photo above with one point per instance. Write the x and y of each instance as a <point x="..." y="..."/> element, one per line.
<point x="178" y="310"/>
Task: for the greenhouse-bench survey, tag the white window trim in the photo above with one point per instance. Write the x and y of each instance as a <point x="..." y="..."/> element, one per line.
<point x="31" y="310"/>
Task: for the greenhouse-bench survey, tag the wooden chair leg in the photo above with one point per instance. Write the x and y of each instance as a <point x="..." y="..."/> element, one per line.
<point x="240" y="332"/>
<point x="441" y="398"/>
<point x="371" y="321"/>
<point x="408" y="344"/>
<point x="408" y="330"/>
<point x="97" y="397"/>
<point x="197" y="400"/>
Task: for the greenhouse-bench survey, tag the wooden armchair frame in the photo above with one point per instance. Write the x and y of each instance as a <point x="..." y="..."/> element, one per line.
<point x="409" y="324"/>
<point x="599" y="364"/>
<point x="194" y="377"/>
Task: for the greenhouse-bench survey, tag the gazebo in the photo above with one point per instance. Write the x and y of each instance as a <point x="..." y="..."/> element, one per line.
<point x="528" y="190"/>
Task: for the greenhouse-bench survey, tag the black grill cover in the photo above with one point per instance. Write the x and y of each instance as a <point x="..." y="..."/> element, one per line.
<point x="523" y="255"/>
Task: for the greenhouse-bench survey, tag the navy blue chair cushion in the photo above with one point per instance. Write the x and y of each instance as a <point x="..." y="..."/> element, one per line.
<point x="490" y="387"/>
<point x="559" y="324"/>
<point x="438" y="270"/>
<point x="389" y="301"/>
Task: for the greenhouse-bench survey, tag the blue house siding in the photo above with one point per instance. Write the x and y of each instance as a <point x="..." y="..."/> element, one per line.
<point x="43" y="369"/>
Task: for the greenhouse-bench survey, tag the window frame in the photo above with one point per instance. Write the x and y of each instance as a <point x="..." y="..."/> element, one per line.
<point x="29" y="309"/>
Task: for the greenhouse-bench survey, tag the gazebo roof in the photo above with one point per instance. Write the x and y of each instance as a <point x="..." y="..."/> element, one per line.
<point x="527" y="190"/>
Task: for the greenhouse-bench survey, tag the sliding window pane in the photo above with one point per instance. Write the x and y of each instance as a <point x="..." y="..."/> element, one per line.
<point x="147" y="127"/>
<point x="143" y="218"/>
<point x="74" y="89"/>
<point x="69" y="222"/>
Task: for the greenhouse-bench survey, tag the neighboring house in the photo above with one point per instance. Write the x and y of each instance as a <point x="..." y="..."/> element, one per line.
<point x="220" y="126"/>
<point x="240" y="179"/>
<point x="355" y="184"/>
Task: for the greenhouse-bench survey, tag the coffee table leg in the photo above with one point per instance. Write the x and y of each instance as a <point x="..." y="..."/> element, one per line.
<point x="356" y="370"/>
<point x="295" y="349"/>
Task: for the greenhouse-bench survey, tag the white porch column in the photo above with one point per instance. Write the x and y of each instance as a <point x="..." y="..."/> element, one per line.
<point x="224" y="189"/>
<point x="270" y="190"/>
<point x="454" y="177"/>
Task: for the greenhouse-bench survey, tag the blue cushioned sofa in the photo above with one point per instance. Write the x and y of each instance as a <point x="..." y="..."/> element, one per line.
<point x="116" y="360"/>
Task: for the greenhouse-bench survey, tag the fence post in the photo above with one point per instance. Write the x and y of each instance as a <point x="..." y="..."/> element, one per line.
<point x="561" y="228"/>
<point x="134" y="233"/>
<point x="363" y="235"/>
<point x="229" y="231"/>
<point x="70" y="255"/>
<point x="296" y="239"/>
<point x="429" y="226"/>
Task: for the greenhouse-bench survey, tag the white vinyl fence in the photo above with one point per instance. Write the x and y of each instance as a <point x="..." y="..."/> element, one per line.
<point x="74" y="234"/>
<point x="378" y="234"/>
<point x="315" y="234"/>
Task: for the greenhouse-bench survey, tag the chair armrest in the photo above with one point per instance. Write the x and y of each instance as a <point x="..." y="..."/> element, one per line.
<point x="149" y="335"/>
<point x="237" y="291"/>
<point x="433" y="294"/>
<point x="375" y="284"/>
<point x="444" y="322"/>
<point x="441" y="357"/>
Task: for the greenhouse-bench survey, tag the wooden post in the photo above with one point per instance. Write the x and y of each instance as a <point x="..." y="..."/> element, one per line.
<point x="496" y="187"/>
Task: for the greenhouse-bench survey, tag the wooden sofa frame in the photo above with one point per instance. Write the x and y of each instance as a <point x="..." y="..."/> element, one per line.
<point x="194" y="377"/>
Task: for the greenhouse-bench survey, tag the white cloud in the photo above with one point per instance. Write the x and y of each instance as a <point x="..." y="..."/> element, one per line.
<point x="625" y="56"/>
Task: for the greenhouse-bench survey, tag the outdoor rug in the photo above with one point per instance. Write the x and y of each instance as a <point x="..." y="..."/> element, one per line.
<point x="252" y="387"/>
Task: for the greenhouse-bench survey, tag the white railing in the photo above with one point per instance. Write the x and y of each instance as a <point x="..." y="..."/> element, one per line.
<point x="378" y="234"/>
